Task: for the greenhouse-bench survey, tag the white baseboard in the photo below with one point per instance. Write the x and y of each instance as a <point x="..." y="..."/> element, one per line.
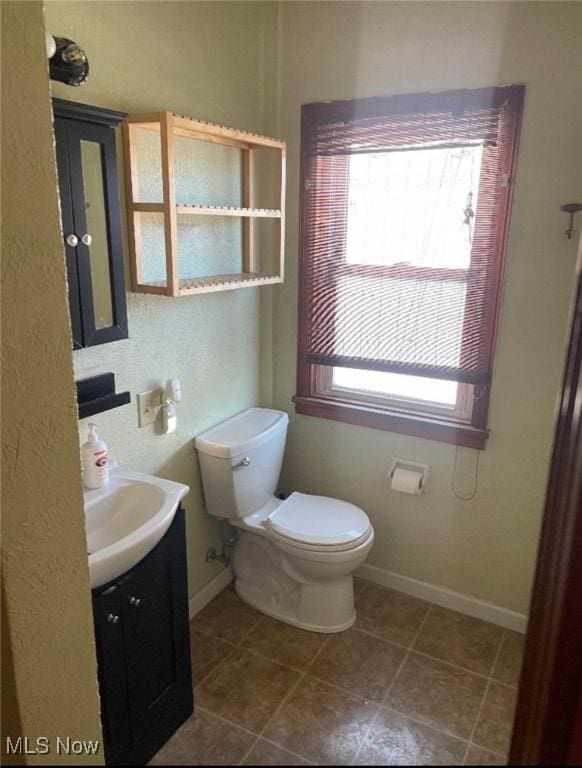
<point x="201" y="599"/>
<point x="446" y="598"/>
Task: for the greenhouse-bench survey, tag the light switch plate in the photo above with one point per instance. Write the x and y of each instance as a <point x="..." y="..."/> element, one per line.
<point x="148" y="405"/>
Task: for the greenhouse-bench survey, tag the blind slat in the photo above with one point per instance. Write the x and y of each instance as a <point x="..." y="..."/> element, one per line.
<point x="421" y="319"/>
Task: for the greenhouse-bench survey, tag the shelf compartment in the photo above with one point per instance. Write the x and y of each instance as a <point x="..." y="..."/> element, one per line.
<point x="171" y="256"/>
<point x="224" y="210"/>
<point x="192" y="285"/>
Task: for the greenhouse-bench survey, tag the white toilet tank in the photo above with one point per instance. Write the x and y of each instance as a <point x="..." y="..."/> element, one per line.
<point x="241" y="461"/>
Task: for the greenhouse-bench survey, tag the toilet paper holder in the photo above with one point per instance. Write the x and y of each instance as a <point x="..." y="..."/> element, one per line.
<point x="412" y="466"/>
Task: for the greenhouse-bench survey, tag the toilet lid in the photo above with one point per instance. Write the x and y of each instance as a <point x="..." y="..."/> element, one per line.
<point x="319" y="520"/>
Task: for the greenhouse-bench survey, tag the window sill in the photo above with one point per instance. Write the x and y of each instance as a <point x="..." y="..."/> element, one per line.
<point x="426" y="427"/>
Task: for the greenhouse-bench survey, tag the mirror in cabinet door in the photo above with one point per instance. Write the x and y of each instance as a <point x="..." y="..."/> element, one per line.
<point x="90" y="208"/>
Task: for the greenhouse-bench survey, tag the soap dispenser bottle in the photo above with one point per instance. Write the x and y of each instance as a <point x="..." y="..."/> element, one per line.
<point x="95" y="460"/>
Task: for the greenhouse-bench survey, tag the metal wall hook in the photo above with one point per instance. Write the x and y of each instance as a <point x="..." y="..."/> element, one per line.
<point x="571" y="208"/>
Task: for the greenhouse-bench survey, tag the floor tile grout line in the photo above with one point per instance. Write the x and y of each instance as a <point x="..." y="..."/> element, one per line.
<point x="341" y="690"/>
<point x="381" y="706"/>
<point x="288" y="695"/>
<point x="249" y="750"/>
<point x="198" y="684"/>
<point x="379" y="637"/>
<point x="227" y="721"/>
<point x="307" y="672"/>
<point x="406" y="656"/>
<point x="474" y="728"/>
<point x="308" y="668"/>
<point x="281" y="705"/>
<point x="251" y="629"/>
<point x="210" y="636"/>
<point x="435" y="658"/>
<point x="497" y="655"/>
<point x="486" y="691"/>
<point x="418" y="721"/>
<point x="258" y="736"/>
<point x="456" y="666"/>
<point x="353" y="761"/>
<point x="285" y="749"/>
<point x="402" y="663"/>
<point x="318" y="653"/>
<point x="233" y="646"/>
<point x="255" y="653"/>
<point x="245" y="730"/>
<point x="411" y="647"/>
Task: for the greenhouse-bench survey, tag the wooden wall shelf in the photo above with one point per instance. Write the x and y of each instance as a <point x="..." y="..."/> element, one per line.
<point x="170" y="125"/>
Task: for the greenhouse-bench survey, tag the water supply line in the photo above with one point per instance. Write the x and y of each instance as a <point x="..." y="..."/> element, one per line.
<point x="229" y="536"/>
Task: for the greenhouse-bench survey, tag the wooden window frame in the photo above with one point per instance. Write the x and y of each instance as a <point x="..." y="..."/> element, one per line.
<point x="313" y="399"/>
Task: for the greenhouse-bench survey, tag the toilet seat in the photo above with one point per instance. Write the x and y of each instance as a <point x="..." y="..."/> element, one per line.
<point x="318" y="524"/>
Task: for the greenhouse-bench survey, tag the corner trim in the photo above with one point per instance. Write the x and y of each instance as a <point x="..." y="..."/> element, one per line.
<point x="201" y="599"/>
<point x="446" y="598"/>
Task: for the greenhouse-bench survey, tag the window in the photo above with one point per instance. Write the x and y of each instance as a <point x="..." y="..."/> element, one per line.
<point x="405" y="210"/>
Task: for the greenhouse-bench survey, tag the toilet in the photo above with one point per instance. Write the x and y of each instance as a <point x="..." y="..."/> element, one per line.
<point x="294" y="558"/>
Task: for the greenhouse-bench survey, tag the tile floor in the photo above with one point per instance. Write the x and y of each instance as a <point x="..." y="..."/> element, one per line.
<point x="410" y="684"/>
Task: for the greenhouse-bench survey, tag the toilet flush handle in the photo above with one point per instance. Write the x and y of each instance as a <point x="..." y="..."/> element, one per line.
<point x="244" y="462"/>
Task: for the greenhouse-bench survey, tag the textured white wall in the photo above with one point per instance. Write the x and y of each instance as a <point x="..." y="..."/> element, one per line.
<point x="485" y="547"/>
<point x="205" y="60"/>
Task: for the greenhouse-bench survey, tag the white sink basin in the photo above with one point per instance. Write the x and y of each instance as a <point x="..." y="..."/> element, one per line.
<point x="126" y="519"/>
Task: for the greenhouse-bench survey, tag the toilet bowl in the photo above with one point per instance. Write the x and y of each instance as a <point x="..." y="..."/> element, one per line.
<point x="295" y="557"/>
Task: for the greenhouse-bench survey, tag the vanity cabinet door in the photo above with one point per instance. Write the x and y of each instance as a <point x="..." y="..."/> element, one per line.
<point x="112" y="675"/>
<point x="157" y="643"/>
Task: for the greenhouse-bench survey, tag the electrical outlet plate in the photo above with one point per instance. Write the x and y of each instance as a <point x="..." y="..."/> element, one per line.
<point x="148" y="405"/>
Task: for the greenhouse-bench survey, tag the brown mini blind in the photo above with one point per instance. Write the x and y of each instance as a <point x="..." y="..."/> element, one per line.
<point x="391" y="314"/>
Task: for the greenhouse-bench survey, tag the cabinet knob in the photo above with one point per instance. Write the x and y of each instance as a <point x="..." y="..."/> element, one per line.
<point x="112" y="618"/>
<point x="72" y="240"/>
<point x="134" y="601"/>
<point x="87" y="239"/>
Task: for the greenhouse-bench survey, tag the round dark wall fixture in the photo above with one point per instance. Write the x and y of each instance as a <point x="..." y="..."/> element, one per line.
<point x="69" y="64"/>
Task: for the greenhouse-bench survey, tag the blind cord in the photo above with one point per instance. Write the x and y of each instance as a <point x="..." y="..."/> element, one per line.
<point x="474" y="491"/>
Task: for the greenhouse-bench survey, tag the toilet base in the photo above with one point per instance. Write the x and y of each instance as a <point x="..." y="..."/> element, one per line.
<point x="276" y="584"/>
<point x="246" y="596"/>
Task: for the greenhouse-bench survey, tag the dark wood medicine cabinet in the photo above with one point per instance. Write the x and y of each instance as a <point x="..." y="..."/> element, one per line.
<point x="91" y="219"/>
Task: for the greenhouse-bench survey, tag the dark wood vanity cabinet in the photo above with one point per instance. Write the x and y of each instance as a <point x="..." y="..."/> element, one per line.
<point x="91" y="219"/>
<point x="143" y="652"/>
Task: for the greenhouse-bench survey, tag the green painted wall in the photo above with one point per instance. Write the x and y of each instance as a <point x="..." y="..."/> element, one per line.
<point x="208" y="60"/>
<point x="253" y="65"/>
<point x="485" y="547"/>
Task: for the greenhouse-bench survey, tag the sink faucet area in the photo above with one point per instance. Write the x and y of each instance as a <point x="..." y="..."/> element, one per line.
<point x="126" y="519"/>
